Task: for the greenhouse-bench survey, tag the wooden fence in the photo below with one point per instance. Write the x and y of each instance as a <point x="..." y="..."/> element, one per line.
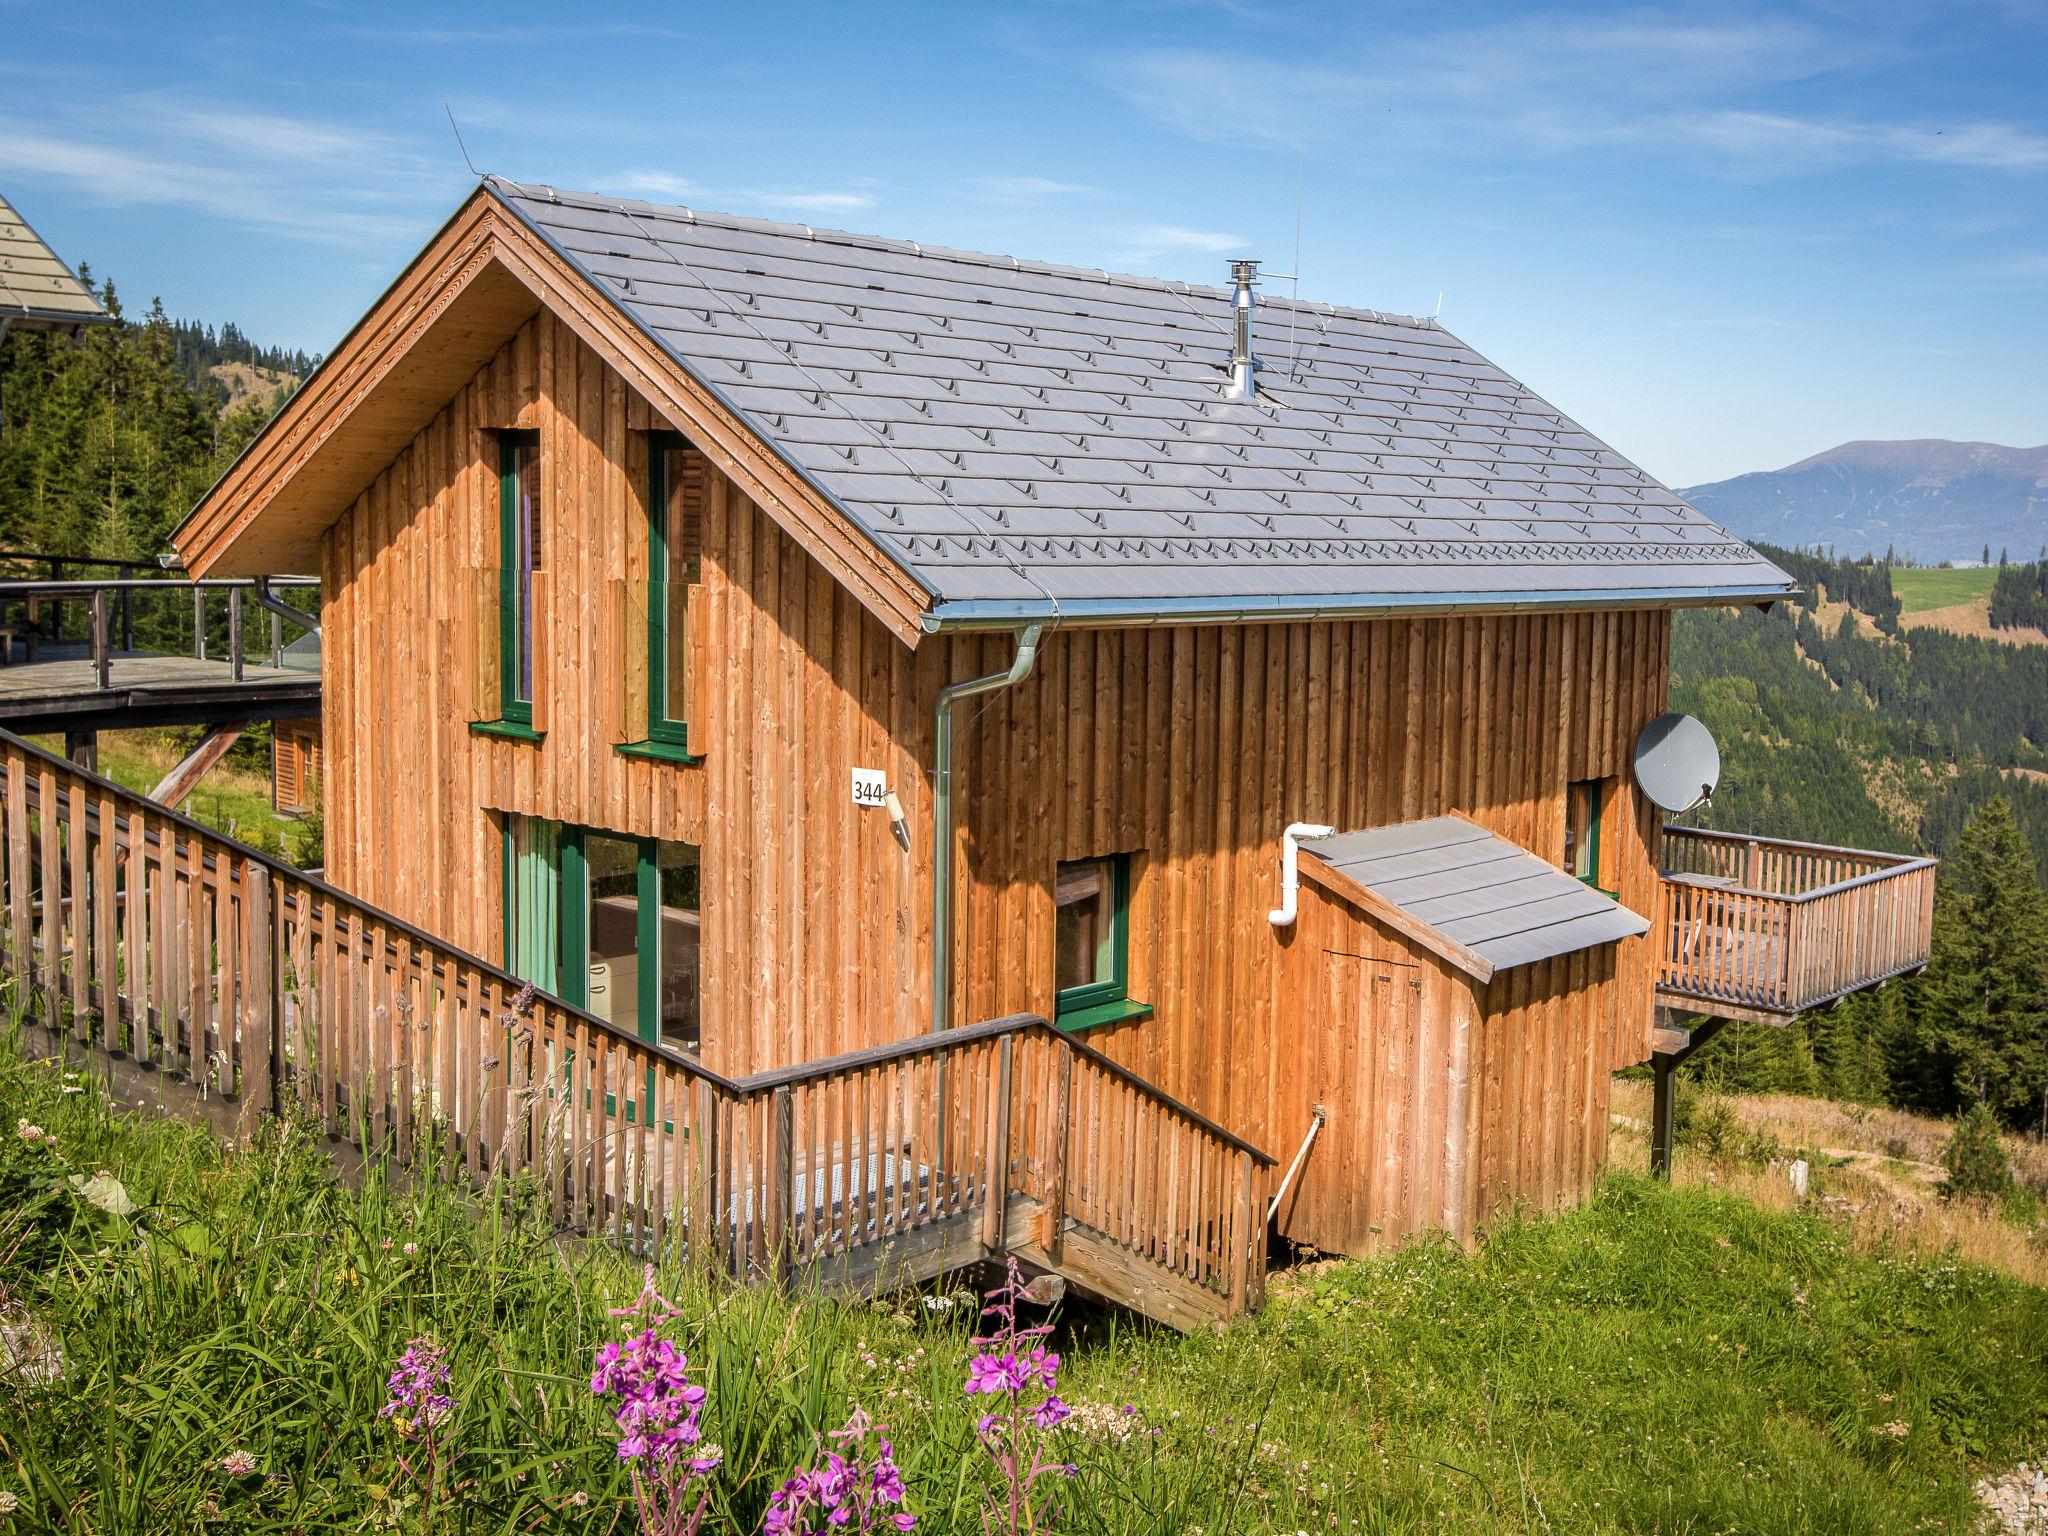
<point x="137" y="932"/>
<point x="1772" y="927"/>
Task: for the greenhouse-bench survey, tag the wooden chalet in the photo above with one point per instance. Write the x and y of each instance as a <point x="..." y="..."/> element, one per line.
<point x="788" y="650"/>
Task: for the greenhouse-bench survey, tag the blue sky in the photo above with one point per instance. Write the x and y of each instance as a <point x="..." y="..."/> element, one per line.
<point x="1723" y="237"/>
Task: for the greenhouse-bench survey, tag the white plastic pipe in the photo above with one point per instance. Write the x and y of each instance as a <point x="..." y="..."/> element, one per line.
<point x="1282" y="916"/>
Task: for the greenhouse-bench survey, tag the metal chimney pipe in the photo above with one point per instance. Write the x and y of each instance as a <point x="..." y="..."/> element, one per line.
<point x="1244" y="275"/>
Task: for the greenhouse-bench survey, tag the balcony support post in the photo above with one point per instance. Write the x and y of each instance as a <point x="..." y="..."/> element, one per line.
<point x="1672" y="1046"/>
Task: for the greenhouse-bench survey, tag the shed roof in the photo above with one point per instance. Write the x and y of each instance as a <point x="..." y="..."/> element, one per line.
<point x="1029" y="439"/>
<point x="1479" y="891"/>
<point x="37" y="291"/>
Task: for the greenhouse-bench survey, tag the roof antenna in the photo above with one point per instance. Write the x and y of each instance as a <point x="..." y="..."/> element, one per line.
<point x="1433" y="314"/>
<point x="479" y="175"/>
<point x="1294" y="298"/>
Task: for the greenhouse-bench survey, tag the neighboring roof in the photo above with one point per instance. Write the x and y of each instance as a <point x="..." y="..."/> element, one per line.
<point x="1478" y="891"/>
<point x="37" y="291"/>
<point x="1028" y="439"/>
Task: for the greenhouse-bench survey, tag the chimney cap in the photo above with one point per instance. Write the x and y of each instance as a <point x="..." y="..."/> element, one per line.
<point x="1244" y="270"/>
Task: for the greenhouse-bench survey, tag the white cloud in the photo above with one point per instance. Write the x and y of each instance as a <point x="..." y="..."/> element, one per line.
<point x="1551" y="86"/>
<point x="1139" y="246"/>
<point x="1025" y="190"/>
<point x="298" y="178"/>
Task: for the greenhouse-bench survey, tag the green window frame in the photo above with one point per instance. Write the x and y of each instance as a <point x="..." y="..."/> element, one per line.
<point x="516" y="659"/>
<point x="569" y="966"/>
<point x="668" y="736"/>
<point x="1107" y="999"/>
<point x="1593" y="794"/>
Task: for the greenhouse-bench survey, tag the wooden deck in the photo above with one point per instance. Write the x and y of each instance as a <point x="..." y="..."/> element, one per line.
<point x="62" y="690"/>
<point x="1762" y="929"/>
<point x="135" y="933"/>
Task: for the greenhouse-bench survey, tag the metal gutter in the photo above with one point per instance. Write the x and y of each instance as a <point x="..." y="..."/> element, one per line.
<point x="1112" y="612"/>
<point x="942" y="811"/>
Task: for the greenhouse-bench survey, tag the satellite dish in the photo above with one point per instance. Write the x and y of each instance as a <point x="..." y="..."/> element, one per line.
<point x="1677" y="763"/>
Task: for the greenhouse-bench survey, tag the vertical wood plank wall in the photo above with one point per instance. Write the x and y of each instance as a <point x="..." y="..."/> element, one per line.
<point x="1189" y="747"/>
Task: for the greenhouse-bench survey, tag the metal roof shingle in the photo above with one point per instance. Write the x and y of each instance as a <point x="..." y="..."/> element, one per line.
<point x="1015" y="432"/>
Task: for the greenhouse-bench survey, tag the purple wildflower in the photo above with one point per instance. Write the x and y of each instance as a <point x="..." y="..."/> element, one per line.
<point x="1013" y="1363"/>
<point x="659" y="1415"/>
<point x="858" y="1492"/>
<point x="238" y="1464"/>
<point x="418" y="1390"/>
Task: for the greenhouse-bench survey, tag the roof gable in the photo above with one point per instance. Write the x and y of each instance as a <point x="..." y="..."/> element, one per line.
<point x="37" y="291"/>
<point x="1028" y="439"/>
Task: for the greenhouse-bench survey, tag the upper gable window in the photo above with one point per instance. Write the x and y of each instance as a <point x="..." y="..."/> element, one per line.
<point x="676" y="483"/>
<point x="520" y="555"/>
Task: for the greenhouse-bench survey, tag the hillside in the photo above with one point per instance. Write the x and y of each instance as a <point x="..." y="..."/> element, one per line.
<point x="1926" y="498"/>
<point x="1839" y="721"/>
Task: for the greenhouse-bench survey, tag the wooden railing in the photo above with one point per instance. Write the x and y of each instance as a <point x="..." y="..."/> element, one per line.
<point x="139" y="933"/>
<point x="1776" y="927"/>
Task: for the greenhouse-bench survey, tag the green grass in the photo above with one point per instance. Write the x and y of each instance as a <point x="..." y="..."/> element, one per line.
<point x="233" y="797"/>
<point x="1922" y="589"/>
<point x="1673" y="1361"/>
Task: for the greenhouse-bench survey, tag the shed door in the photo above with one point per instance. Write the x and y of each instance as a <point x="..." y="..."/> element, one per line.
<point x="1365" y="1074"/>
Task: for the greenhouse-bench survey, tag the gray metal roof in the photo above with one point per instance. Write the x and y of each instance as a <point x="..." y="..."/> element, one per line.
<point x="1021" y="436"/>
<point x="37" y="291"/>
<point x="1498" y="900"/>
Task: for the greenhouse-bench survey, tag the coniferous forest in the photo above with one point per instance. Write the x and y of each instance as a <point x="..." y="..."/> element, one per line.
<point x="1849" y="729"/>
<point x="1843" y="728"/>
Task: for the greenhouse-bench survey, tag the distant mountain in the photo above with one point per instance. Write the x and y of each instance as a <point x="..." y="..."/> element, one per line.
<point x="1927" y="498"/>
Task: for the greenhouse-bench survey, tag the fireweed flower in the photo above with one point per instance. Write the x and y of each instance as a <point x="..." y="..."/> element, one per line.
<point x="1013" y="1365"/>
<point x="858" y="1489"/>
<point x="418" y="1390"/>
<point x="659" y="1414"/>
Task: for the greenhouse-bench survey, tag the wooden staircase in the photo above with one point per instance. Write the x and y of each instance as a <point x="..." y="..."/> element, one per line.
<point x="136" y="933"/>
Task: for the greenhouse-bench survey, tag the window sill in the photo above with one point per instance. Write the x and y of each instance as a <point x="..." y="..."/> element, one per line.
<point x="659" y="751"/>
<point x="1122" y="1010"/>
<point x="511" y="730"/>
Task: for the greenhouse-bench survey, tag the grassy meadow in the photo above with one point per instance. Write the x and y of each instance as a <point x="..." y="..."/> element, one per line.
<point x="1922" y="588"/>
<point x="1665" y="1359"/>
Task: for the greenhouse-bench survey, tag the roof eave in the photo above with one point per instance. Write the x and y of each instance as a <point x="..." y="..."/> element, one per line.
<point x="1111" y="612"/>
<point x="28" y="318"/>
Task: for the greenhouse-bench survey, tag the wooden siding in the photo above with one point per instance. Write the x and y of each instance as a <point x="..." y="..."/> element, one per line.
<point x="1189" y="747"/>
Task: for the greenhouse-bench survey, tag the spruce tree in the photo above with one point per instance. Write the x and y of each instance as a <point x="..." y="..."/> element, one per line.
<point x="1984" y="1001"/>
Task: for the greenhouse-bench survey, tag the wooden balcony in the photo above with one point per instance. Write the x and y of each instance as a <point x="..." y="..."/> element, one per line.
<point x="1754" y="928"/>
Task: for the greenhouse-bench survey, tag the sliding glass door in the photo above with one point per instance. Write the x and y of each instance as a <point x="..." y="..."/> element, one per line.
<point x="608" y="922"/>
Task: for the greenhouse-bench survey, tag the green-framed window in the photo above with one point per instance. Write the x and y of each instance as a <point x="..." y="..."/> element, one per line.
<point x="1584" y="800"/>
<point x="676" y="476"/>
<point x="607" y="922"/>
<point x="520" y="548"/>
<point x="1091" y="901"/>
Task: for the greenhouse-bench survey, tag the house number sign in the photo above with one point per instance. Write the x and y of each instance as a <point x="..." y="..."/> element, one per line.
<point x="870" y="786"/>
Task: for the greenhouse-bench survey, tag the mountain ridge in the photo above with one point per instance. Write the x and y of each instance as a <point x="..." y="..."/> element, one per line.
<point x="1928" y="498"/>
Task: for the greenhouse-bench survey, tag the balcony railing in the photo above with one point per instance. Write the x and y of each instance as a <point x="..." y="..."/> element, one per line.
<point x="1751" y="926"/>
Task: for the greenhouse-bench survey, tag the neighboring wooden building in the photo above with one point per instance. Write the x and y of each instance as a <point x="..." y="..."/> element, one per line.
<point x="657" y="546"/>
<point x="294" y="765"/>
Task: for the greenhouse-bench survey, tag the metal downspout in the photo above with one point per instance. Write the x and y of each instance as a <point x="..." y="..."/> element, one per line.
<point x="942" y="812"/>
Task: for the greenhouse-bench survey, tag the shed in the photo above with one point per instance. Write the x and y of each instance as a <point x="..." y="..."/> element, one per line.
<point x="1427" y="980"/>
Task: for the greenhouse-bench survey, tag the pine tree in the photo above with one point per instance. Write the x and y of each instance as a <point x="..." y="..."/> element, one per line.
<point x="1983" y="1010"/>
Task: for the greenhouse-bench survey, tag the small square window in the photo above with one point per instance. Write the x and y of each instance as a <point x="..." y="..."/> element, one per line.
<point x="1091" y="943"/>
